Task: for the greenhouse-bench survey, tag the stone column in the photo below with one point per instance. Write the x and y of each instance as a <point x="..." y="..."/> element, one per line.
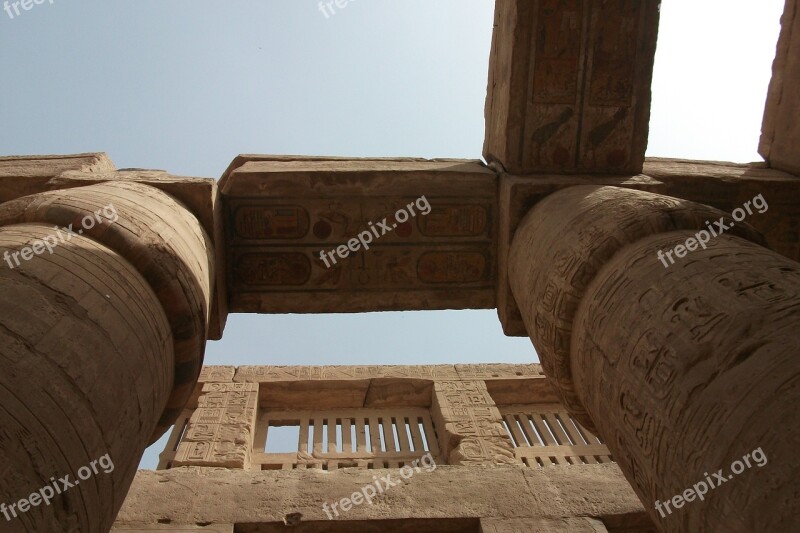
<point x="102" y="332"/>
<point x="683" y="369"/>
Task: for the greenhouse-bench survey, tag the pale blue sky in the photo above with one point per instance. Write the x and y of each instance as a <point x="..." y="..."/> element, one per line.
<point x="185" y="85"/>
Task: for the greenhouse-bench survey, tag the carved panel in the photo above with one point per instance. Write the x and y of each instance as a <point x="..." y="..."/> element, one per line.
<point x="286" y="221"/>
<point x="473" y="433"/>
<point x="569" y="87"/>
<point x="220" y="431"/>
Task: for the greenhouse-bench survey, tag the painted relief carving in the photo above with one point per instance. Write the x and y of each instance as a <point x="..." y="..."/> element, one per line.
<point x="452" y="267"/>
<point x="280" y="222"/>
<point x="274" y="269"/>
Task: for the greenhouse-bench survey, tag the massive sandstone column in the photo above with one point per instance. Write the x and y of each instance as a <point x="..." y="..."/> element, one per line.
<point x="682" y="369"/>
<point x="101" y="343"/>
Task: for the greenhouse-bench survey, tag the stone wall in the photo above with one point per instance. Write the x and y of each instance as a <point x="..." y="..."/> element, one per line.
<point x="481" y="476"/>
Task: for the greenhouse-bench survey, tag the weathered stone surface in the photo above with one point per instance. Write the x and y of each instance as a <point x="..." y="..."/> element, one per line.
<point x="704" y="349"/>
<point x="220" y="431"/>
<point x="780" y="133"/>
<point x="169" y="528"/>
<point x="551" y="525"/>
<point x="308" y="387"/>
<point x="280" y="213"/>
<point x="524" y="391"/>
<point x="214" y="374"/>
<point x="569" y="85"/>
<point x="161" y="239"/>
<point x="490" y="371"/>
<point x="87" y="357"/>
<point x="192" y="495"/>
<point x="725" y="186"/>
<point x="468" y="425"/>
<point x="24" y="175"/>
<point x="199" y="195"/>
<point x="470" y="428"/>
<point x="503" y="371"/>
<point x="261" y="374"/>
<point x="575" y="247"/>
<point x="127" y="276"/>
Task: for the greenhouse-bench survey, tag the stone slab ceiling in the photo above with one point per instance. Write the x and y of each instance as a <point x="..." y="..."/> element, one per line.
<point x="569" y="85"/>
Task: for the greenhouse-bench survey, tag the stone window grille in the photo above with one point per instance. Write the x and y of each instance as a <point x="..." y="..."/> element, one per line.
<point x="546" y="435"/>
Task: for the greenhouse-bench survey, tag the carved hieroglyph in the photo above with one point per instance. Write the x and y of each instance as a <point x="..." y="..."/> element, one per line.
<point x="101" y="340"/>
<point x="682" y="370"/>
<point x="569" y="85"/>
<point x="220" y="431"/>
<point x="282" y="212"/>
<point x="470" y="425"/>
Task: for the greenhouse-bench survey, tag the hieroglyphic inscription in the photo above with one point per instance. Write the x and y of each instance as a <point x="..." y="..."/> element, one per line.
<point x="216" y="374"/>
<point x="427" y="233"/>
<point x="271" y="222"/>
<point x="449" y="267"/>
<point x="472" y="430"/>
<point x="552" y="124"/>
<point x="455" y="221"/>
<point x="558" y="33"/>
<point x="334" y="221"/>
<point x="398" y="267"/>
<point x="580" y="74"/>
<point x="220" y="431"/>
<point x="498" y="370"/>
<point x="273" y="269"/>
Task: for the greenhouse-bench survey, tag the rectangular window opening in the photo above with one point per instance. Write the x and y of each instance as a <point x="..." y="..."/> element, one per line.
<point x="283" y="437"/>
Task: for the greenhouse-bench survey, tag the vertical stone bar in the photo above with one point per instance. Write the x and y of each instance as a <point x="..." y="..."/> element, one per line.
<point x="683" y="368"/>
<point x="104" y="294"/>
<point x="469" y="425"/>
<point x="780" y="133"/>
